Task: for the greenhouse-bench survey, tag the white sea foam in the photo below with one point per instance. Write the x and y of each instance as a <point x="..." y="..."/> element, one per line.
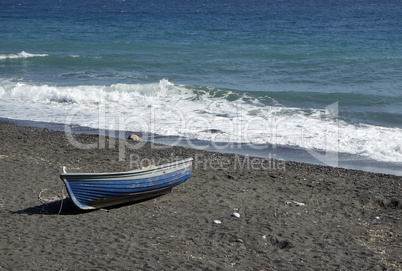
<point x="22" y="54"/>
<point x="168" y="109"/>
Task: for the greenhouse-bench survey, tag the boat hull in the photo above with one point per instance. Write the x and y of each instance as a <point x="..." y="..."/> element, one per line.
<point x="99" y="190"/>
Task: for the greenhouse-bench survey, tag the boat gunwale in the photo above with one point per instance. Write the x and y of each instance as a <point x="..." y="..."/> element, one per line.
<point x="131" y="172"/>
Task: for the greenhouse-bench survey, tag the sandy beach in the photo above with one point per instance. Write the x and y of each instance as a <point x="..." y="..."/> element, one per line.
<point x="293" y="216"/>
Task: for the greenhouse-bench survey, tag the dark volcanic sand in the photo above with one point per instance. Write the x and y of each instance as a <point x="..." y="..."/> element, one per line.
<point x="293" y="216"/>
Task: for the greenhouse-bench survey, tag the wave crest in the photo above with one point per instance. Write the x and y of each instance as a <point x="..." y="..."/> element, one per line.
<point x="22" y="54"/>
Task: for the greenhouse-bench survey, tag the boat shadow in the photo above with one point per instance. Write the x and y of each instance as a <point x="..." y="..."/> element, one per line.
<point x="58" y="207"/>
<point x="67" y="207"/>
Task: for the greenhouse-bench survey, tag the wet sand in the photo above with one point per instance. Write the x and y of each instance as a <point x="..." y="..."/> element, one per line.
<point x="293" y="216"/>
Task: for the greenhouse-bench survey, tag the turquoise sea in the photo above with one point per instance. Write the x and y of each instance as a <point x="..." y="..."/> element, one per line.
<point x="314" y="75"/>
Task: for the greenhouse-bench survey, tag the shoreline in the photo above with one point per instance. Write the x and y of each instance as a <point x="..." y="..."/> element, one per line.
<point x="285" y="153"/>
<point x="297" y="216"/>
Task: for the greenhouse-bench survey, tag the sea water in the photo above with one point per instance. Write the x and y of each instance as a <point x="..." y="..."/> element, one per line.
<point x="315" y="75"/>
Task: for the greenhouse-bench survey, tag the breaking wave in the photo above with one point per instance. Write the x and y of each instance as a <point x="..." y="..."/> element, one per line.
<point x="22" y="54"/>
<point x="205" y="113"/>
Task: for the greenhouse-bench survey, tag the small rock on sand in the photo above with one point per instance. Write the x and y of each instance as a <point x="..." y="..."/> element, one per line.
<point x="134" y="137"/>
<point x="236" y="215"/>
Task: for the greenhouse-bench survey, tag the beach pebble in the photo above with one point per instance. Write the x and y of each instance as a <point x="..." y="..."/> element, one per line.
<point x="236" y="215"/>
<point x="217" y="222"/>
<point x="134" y="137"/>
<point x="295" y="203"/>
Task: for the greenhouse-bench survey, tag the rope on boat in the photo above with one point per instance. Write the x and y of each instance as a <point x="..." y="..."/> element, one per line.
<point x="47" y="200"/>
<point x="62" y="200"/>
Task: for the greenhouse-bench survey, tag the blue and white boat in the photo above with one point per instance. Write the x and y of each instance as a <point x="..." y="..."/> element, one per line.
<point x="99" y="190"/>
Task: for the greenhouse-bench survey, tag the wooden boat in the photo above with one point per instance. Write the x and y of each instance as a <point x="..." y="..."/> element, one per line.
<point x="98" y="190"/>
